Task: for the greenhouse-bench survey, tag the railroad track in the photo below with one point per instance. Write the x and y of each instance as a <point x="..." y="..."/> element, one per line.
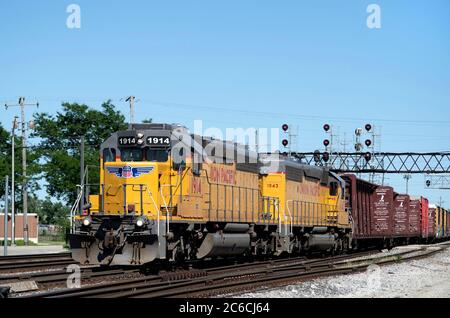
<point x="60" y="276"/>
<point x="240" y="277"/>
<point x="195" y="276"/>
<point x="14" y="263"/>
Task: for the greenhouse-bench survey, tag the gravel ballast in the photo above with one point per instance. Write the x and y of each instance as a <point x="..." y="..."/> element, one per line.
<point x="427" y="277"/>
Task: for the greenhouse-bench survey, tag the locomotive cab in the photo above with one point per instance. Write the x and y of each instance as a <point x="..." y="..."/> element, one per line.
<point x="139" y="183"/>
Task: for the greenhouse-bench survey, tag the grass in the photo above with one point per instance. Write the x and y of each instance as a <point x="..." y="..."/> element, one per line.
<point x="18" y="243"/>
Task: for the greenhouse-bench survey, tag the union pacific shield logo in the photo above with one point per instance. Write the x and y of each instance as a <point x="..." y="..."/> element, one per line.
<point x="127" y="172"/>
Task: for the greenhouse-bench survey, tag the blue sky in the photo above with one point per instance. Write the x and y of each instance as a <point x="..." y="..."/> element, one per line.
<point x="242" y="64"/>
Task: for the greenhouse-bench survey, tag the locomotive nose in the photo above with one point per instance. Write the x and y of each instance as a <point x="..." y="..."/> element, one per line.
<point x="131" y="188"/>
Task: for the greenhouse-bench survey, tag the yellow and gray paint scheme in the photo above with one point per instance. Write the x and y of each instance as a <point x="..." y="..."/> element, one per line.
<point x="168" y="195"/>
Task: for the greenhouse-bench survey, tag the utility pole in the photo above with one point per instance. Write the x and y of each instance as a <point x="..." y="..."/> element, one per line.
<point x="81" y="174"/>
<point x="407" y="177"/>
<point x="24" y="165"/>
<point x="131" y="100"/>
<point x="5" y="220"/>
<point x="13" y="192"/>
<point x="256" y="142"/>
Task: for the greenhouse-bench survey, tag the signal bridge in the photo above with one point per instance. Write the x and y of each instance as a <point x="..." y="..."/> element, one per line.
<point x="379" y="162"/>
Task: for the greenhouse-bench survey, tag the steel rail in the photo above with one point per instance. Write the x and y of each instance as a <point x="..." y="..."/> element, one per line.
<point x="121" y="288"/>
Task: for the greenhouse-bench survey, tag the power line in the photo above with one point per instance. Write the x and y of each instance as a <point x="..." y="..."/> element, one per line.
<point x="257" y="112"/>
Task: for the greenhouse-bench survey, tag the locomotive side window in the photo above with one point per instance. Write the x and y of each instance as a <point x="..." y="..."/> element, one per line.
<point x="179" y="159"/>
<point x="197" y="163"/>
<point x="109" y="155"/>
<point x="157" y="155"/>
<point x="131" y="154"/>
<point x="333" y="188"/>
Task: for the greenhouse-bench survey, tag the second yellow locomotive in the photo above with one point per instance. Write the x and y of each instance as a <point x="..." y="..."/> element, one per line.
<point x="169" y="195"/>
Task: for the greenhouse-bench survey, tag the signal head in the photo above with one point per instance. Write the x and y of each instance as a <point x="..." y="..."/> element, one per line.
<point x="285" y="127"/>
<point x="316" y="156"/>
<point x="368" y="127"/>
<point x="326" y="156"/>
<point x="326" y="127"/>
<point x="326" y="142"/>
<point x="428" y="183"/>
<point x="285" y="142"/>
<point x="367" y="156"/>
<point x="368" y="142"/>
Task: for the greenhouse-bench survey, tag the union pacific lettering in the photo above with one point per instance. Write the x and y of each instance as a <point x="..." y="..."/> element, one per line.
<point x="222" y="175"/>
<point x="196" y="185"/>
<point x="306" y="189"/>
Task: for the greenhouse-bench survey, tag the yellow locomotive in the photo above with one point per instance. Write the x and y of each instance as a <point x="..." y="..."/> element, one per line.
<point x="168" y="195"/>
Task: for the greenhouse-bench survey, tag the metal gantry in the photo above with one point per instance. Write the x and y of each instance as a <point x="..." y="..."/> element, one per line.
<point x="379" y="162"/>
<point x="441" y="182"/>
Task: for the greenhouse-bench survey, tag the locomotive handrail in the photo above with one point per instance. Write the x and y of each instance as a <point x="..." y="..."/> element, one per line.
<point x="158" y="215"/>
<point x="165" y="205"/>
<point x="290" y="215"/>
<point x="75" y="205"/>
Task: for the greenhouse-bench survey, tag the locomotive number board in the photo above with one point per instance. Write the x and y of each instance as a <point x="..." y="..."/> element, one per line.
<point x="158" y="141"/>
<point x="127" y="141"/>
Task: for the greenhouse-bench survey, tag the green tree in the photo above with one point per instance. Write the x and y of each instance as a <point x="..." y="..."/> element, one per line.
<point x="33" y="169"/>
<point x="52" y="212"/>
<point x="59" y="144"/>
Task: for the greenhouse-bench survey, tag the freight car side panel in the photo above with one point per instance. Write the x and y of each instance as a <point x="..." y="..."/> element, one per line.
<point x="371" y="207"/>
<point x="425" y="217"/>
<point x="414" y="218"/>
<point x="401" y="215"/>
<point x="359" y="202"/>
<point x="436" y="211"/>
<point x="448" y="223"/>
<point x="432" y="222"/>
<point x="382" y="216"/>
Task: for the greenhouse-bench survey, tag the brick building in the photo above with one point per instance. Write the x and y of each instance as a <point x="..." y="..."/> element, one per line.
<point x="33" y="223"/>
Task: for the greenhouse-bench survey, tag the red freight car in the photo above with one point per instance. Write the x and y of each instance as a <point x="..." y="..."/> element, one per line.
<point x="448" y="224"/>
<point x="359" y="202"/>
<point x="371" y="208"/>
<point x="427" y="229"/>
<point x="401" y="215"/>
<point x="414" y="219"/>
<point x="382" y="218"/>
<point x="431" y="222"/>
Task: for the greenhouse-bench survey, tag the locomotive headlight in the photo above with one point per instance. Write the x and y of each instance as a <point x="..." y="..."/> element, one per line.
<point x="140" y="222"/>
<point x="87" y="221"/>
<point x="140" y="141"/>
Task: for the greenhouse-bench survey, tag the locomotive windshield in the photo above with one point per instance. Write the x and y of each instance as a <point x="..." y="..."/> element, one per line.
<point x="131" y="154"/>
<point x="147" y="154"/>
<point x="157" y="155"/>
